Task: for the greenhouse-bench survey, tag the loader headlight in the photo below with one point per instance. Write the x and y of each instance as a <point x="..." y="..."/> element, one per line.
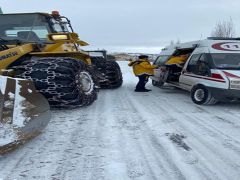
<point x="58" y="37"/>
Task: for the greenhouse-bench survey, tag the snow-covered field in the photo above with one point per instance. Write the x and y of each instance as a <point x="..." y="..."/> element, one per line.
<point x="159" y="135"/>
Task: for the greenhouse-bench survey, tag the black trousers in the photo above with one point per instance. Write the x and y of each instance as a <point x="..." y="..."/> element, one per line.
<point x="143" y="79"/>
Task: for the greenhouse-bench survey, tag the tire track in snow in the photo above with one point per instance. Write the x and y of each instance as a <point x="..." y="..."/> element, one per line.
<point x="126" y="141"/>
<point x="48" y="150"/>
<point x="166" y="165"/>
<point x="129" y="141"/>
<point x="23" y="157"/>
<point x="122" y="136"/>
<point x="212" y="130"/>
<point x="166" y="110"/>
<point x="158" y="145"/>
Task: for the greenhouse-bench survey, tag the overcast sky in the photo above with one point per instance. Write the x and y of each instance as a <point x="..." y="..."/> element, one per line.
<point x="136" y="25"/>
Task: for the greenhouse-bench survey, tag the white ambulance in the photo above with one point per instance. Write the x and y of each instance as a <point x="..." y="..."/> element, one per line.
<point x="211" y="72"/>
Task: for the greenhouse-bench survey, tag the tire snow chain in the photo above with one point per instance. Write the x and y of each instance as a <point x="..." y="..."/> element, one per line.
<point x="29" y="69"/>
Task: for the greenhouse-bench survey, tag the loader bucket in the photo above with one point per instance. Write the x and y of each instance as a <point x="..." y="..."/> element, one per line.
<point x="24" y="112"/>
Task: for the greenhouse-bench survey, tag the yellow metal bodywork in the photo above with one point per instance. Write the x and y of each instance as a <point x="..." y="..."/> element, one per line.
<point x="57" y="48"/>
<point x="64" y="48"/>
<point x="9" y="56"/>
<point x="71" y="38"/>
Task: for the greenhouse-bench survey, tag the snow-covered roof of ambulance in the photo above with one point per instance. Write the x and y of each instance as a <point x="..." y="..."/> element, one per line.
<point x="168" y="50"/>
<point x="200" y="43"/>
<point x="182" y="45"/>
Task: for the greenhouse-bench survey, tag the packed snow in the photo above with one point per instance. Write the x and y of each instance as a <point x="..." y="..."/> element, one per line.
<point x="7" y="134"/>
<point x="157" y="135"/>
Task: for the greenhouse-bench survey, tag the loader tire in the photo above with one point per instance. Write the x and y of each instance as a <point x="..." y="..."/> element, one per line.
<point x="113" y="75"/>
<point x="108" y="73"/>
<point x="64" y="81"/>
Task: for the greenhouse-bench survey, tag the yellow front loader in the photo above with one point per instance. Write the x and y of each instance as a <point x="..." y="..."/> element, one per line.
<point x="40" y="63"/>
<point x="43" y="48"/>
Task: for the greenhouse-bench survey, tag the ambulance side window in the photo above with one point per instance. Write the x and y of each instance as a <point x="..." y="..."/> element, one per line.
<point x="203" y="68"/>
<point x="192" y="65"/>
<point x="198" y="65"/>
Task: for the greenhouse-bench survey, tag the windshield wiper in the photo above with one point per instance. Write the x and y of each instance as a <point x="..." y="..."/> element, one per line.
<point x="5" y="42"/>
<point x="1" y="39"/>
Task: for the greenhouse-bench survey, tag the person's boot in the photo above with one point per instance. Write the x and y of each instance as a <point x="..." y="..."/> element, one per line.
<point x="141" y="90"/>
<point x="147" y="89"/>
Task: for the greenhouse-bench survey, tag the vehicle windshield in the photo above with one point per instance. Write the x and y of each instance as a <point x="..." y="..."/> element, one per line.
<point x="24" y="27"/>
<point x="59" y="25"/>
<point x="226" y="60"/>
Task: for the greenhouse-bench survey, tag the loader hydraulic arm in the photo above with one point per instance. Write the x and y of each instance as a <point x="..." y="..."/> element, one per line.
<point x="11" y="55"/>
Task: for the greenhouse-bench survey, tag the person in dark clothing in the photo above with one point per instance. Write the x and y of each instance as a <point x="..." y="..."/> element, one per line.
<point x="143" y="79"/>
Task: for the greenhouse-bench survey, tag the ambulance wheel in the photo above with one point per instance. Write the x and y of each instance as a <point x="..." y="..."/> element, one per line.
<point x="202" y="96"/>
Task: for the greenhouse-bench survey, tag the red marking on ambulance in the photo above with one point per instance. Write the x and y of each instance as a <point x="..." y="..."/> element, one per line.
<point x="227" y="46"/>
<point x="230" y="75"/>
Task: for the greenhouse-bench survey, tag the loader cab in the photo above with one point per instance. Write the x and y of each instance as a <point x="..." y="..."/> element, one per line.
<point x="32" y="27"/>
<point x="58" y="23"/>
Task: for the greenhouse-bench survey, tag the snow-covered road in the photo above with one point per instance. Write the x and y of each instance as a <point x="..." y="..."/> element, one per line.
<point x="159" y="135"/>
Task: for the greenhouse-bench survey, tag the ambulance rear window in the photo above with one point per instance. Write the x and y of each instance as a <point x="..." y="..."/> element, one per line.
<point x="161" y="60"/>
<point x="226" y="60"/>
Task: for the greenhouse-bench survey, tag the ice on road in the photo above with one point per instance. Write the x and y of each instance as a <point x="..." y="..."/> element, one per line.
<point x="158" y="135"/>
